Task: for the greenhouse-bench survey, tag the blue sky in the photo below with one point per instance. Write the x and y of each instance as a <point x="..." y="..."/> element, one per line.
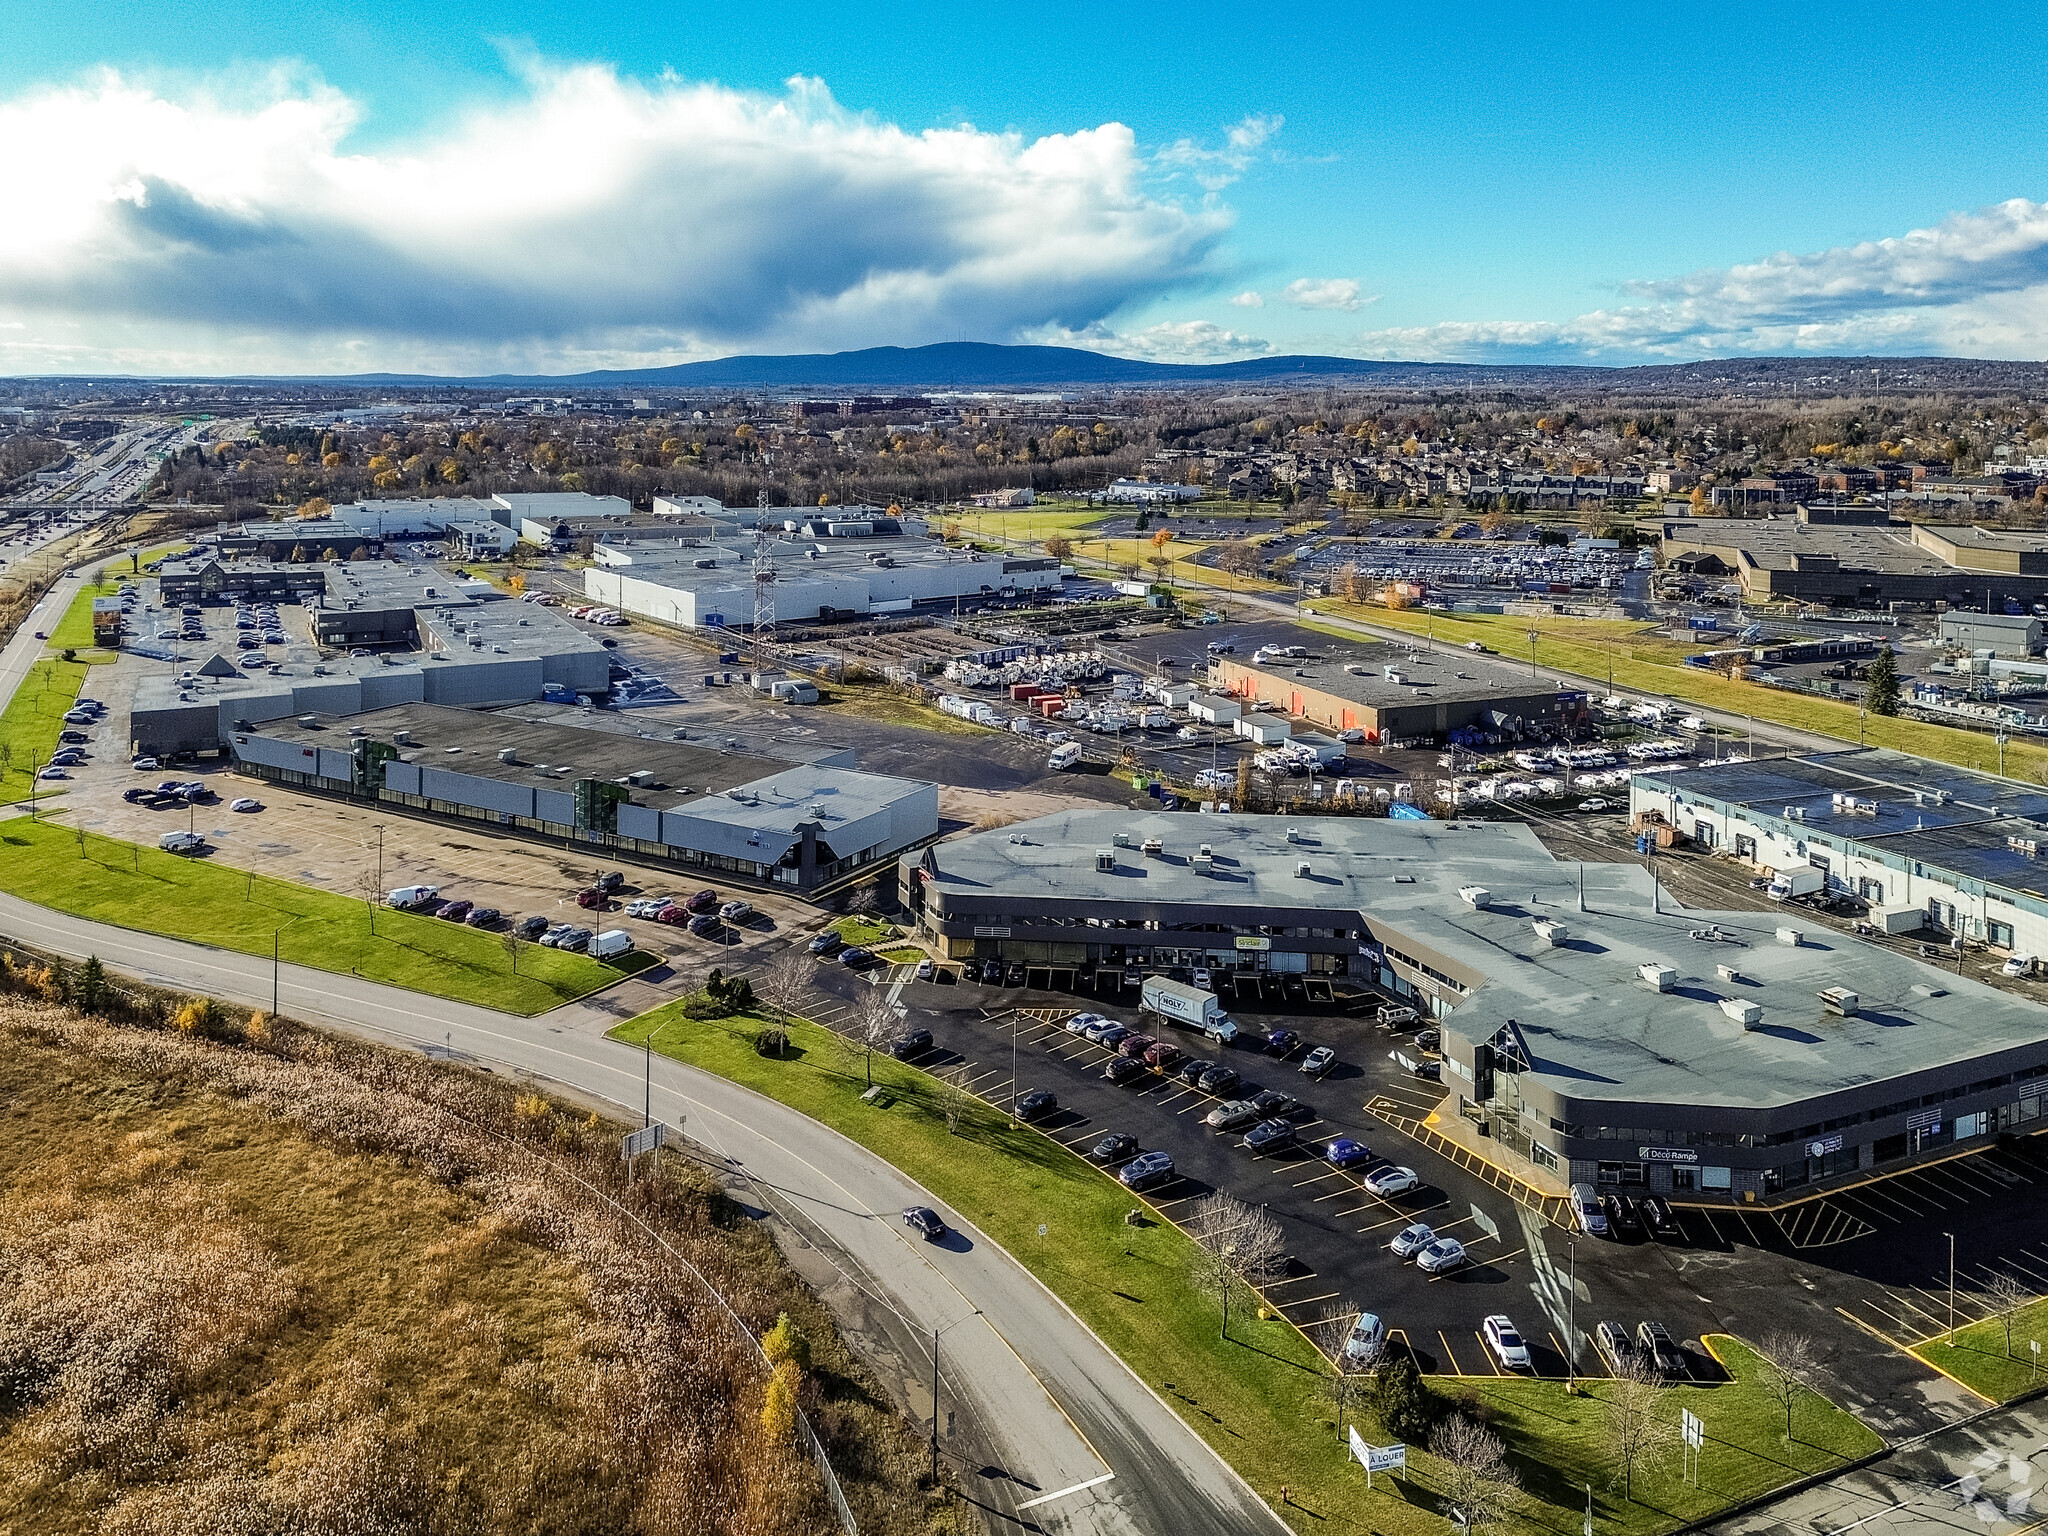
<point x="244" y="186"/>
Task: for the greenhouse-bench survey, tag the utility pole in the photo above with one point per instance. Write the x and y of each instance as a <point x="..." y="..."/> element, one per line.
<point x="1571" y="1245"/>
<point x="647" y="1083"/>
<point x="273" y="971"/>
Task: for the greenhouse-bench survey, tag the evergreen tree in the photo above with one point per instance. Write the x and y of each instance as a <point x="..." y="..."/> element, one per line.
<point x="92" y="987"/>
<point x="1881" y="687"/>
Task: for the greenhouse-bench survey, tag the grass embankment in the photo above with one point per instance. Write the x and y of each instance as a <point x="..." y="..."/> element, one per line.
<point x="182" y="898"/>
<point x="1986" y="1358"/>
<point x="31" y="722"/>
<point x="863" y="930"/>
<point x="1646" y="663"/>
<point x="1254" y="1398"/>
<point x="1562" y="1443"/>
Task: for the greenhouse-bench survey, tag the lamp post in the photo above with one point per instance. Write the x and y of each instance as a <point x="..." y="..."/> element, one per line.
<point x="1571" y="1326"/>
<point x="1951" y="1288"/>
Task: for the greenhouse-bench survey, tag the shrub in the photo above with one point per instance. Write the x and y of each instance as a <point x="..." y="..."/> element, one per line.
<point x="778" y="1405"/>
<point x="1405" y="1403"/>
<point x="771" y="1040"/>
<point x="786" y="1341"/>
<point x="204" y="1017"/>
<point x="532" y="1110"/>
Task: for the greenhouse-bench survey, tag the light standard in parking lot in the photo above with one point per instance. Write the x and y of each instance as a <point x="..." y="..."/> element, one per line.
<point x="1951" y="1288"/>
<point x="1571" y="1326"/>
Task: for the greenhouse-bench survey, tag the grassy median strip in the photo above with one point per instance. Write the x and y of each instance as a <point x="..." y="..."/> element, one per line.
<point x="1646" y="663"/>
<point x="32" y="720"/>
<point x="74" y="630"/>
<point x="1993" y="1358"/>
<point x="1255" y="1396"/>
<point x="126" y="884"/>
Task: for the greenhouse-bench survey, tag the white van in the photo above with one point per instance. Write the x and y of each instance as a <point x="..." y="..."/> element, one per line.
<point x="1586" y="1211"/>
<point x="408" y="897"/>
<point x="613" y="941"/>
<point x="181" y="842"/>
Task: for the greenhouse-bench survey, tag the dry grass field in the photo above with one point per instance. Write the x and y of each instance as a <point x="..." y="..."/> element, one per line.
<point x="274" y="1281"/>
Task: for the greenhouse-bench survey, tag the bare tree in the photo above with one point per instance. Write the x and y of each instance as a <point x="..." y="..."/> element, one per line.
<point x="1235" y="1244"/>
<point x="1784" y="1361"/>
<point x="512" y="941"/>
<point x="1478" y="1481"/>
<point x="1640" y="1432"/>
<point x="1349" y="1381"/>
<point x="874" y="1024"/>
<point x="785" y="984"/>
<point x="956" y="1102"/>
<point x="2008" y="1294"/>
<point x="366" y="887"/>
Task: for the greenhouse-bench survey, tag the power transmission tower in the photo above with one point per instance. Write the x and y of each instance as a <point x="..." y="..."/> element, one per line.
<point x="764" y="590"/>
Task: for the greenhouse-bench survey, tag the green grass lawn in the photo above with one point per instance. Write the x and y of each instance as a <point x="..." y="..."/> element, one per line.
<point x="182" y="898"/>
<point x="74" y="630"/>
<point x="862" y="930"/>
<point x="1561" y="1443"/>
<point x="31" y="721"/>
<point x="1646" y="663"/>
<point x="1981" y="1358"/>
<point x="1252" y="1397"/>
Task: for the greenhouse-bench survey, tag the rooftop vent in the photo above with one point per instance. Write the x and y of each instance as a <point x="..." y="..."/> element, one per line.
<point x="1742" y="1011"/>
<point x="1303" y="870"/>
<point x="1477" y="897"/>
<point x="1840" y="1000"/>
<point x="1105" y="861"/>
<point x="542" y="770"/>
<point x="508" y="754"/>
<point x="1551" y="931"/>
<point x="1294" y="834"/>
<point x="1205" y="863"/>
<point x="1658" y="975"/>
<point x="2030" y="846"/>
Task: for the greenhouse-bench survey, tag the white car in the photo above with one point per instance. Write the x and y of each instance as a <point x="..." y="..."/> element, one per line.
<point x="646" y="906"/>
<point x="1204" y="980"/>
<point x="1188" y="733"/>
<point x="1367" y="1341"/>
<point x="1506" y="1344"/>
<point x="144" y="765"/>
<point x="1410" y="1241"/>
<point x="1441" y="1256"/>
<point x="1595" y="803"/>
<point x="1081" y="1023"/>
<point x="2018" y="965"/>
<point x="736" y="911"/>
<point x="1392" y="1181"/>
<point x="245" y="804"/>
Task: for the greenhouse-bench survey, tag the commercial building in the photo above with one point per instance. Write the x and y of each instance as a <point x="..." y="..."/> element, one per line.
<point x="1927" y="846"/>
<point x="1814" y="559"/>
<point x="2004" y="634"/>
<point x="1394" y="694"/>
<point x="677" y="803"/>
<point x="1149" y="492"/>
<point x="1592" y="1032"/>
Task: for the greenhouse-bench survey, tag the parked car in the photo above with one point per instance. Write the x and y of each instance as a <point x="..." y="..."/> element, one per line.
<point x="1192" y="1070"/>
<point x="482" y="917"/>
<point x="1345" y="1152"/>
<point x="534" y="927"/>
<point x="826" y="944"/>
<point x="914" y="1043"/>
<point x="736" y="911"/>
<point x="1220" y="1080"/>
<point x="1660" y="1349"/>
<point x="577" y="939"/>
<point x="144" y="765"/>
<point x="1441" y="1256"/>
<point x="1615" y="1346"/>
<point x="1122" y="1069"/>
<point x="1078" y="1024"/>
<point x="924" y="1221"/>
<point x="991" y="972"/>
<point x="1281" y="1043"/>
<point x="926" y="969"/>
<point x="1412" y="1239"/>
<point x="1586" y="1211"/>
<point x="610" y="881"/>
<point x="703" y="901"/>
<point x="73" y="736"/>
<point x="1505" y="1341"/>
<point x="1269" y="1136"/>
<point x="1037" y="1105"/>
<point x="1232" y="1115"/>
<point x="703" y="923"/>
<point x="245" y="804"/>
<point x="1135" y="1045"/>
<point x="1621" y="1216"/>
<point x="133" y="795"/>
<point x="1657" y="1216"/>
<point x="181" y="842"/>
<point x="1391" y="1181"/>
<point x="590" y="897"/>
<point x="1421" y="1066"/>
<point x="1114" y="1148"/>
<point x="646" y="906"/>
<point x="1146" y="1171"/>
<point x="1162" y="1057"/>
<point x="854" y="958"/>
<point x="454" y="911"/>
<point x="1106" y="1032"/>
<point x="1275" y="1105"/>
<point x="1318" y="1061"/>
<point x="1014" y="977"/>
<point x="674" y="914"/>
<point x="1593" y="803"/>
<point x="1366" y="1342"/>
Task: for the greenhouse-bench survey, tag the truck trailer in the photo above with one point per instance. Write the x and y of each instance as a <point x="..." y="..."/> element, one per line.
<point x="1189" y="1006"/>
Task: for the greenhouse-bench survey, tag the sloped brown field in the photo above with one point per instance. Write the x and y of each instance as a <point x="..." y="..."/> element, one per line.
<point x="309" y="1285"/>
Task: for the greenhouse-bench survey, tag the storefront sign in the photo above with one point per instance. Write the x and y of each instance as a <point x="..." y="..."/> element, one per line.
<point x="1926" y="1120"/>
<point x="1251" y="941"/>
<point x="991" y="933"/>
<point x="1824" y="1146"/>
<point x="1666" y="1155"/>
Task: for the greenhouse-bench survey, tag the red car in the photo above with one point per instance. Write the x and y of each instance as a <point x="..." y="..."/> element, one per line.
<point x="1163" y="1057"/>
<point x="454" y="911"/>
<point x="590" y="896"/>
<point x="1135" y="1046"/>
<point x="703" y="901"/>
<point x="673" y="914"/>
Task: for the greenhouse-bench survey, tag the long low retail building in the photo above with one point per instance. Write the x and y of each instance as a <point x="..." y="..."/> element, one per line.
<point x="685" y="804"/>
<point x="1597" y="1035"/>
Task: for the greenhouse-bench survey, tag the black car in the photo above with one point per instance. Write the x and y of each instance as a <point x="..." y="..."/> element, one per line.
<point x="1191" y="1072"/>
<point x="1114" y="1148"/>
<point x="1661" y="1350"/>
<point x="1269" y="1136"/>
<point x="1146" y="1171"/>
<point x="1121" y="1069"/>
<point x="1658" y="1218"/>
<point x="1615" y="1346"/>
<point x="133" y="796"/>
<point x="482" y="917"/>
<point x="534" y="927"/>
<point x="1036" y="1105"/>
<point x="1282" y="1042"/>
<point x="924" y="1221"/>
<point x="704" y="922"/>
<point x="915" y="1043"/>
<point x="827" y="944"/>
<point x="1221" y="1081"/>
<point x="991" y="972"/>
<point x="74" y="738"/>
<point x="1621" y="1216"/>
<point x="1275" y="1105"/>
<point x="1015" y="976"/>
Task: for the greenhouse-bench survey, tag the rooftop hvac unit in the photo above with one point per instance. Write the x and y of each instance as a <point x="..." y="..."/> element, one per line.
<point x="1840" y="1000"/>
<point x="1477" y="897"/>
<point x="1658" y="975"/>
<point x="1795" y="813"/>
<point x="640" y="778"/>
<point x="1125" y="840"/>
<point x="1791" y="937"/>
<point x="402" y="738"/>
<point x="1153" y="848"/>
<point x="542" y="770"/>
<point x="508" y="754"/>
<point x="1749" y="1015"/>
<point x="308" y="720"/>
<point x="1728" y="972"/>
<point x="2030" y="846"/>
<point x="359" y="730"/>
<point x="816" y="811"/>
<point x="1204" y="864"/>
<point x="1551" y="931"/>
<point x="1303" y="870"/>
<point x="1105" y="861"/>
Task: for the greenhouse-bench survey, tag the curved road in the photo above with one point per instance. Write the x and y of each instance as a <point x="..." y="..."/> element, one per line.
<point x="1074" y="1441"/>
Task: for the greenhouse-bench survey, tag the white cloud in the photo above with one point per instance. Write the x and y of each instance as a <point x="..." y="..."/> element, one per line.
<point x="1254" y="130"/>
<point x="1251" y="298"/>
<point x="1215" y="169"/>
<point x="1974" y="285"/>
<point x="1172" y="341"/>
<point x="596" y="221"/>
<point x="1339" y="293"/>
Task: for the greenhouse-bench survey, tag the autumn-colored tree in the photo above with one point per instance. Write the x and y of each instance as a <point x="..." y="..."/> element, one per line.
<point x="317" y="506"/>
<point x="331" y="460"/>
<point x="516" y="584"/>
<point x="1059" y="546"/>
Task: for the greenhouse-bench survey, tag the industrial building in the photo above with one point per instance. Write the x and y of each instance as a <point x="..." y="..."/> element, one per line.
<point x="732" y="814"/>
<point x="1392" y="693"/>
<point x="1925" y="845"/>
<point x="478" y="527"/>
<point x="1805" y="559"/>
<point x="1592" y="1031"/>
<point x="445" y="640"/>
<point x="2014" y="635"/>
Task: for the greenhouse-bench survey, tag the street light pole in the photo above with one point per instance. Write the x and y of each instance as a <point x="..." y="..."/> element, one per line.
<point x="1571" y="1341"/>
<point x="1951" y="1288"/>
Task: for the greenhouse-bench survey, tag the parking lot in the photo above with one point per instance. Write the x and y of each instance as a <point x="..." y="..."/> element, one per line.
<point x="1863" y="1272"/>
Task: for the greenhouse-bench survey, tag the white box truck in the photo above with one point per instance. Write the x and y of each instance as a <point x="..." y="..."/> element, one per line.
<point x="1802" y="880"/>
<point x="1188" y="1005"/>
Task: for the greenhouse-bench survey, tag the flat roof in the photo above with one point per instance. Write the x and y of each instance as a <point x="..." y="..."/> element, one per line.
<point x="1594" y="1029"/>
<point x="1913" y="785"/>
<point x="1454" y="676"/>
<point x="1773" y="543"/>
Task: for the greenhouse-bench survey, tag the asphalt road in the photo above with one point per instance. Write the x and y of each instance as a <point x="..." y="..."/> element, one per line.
<point x="1061" y="1436"/>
